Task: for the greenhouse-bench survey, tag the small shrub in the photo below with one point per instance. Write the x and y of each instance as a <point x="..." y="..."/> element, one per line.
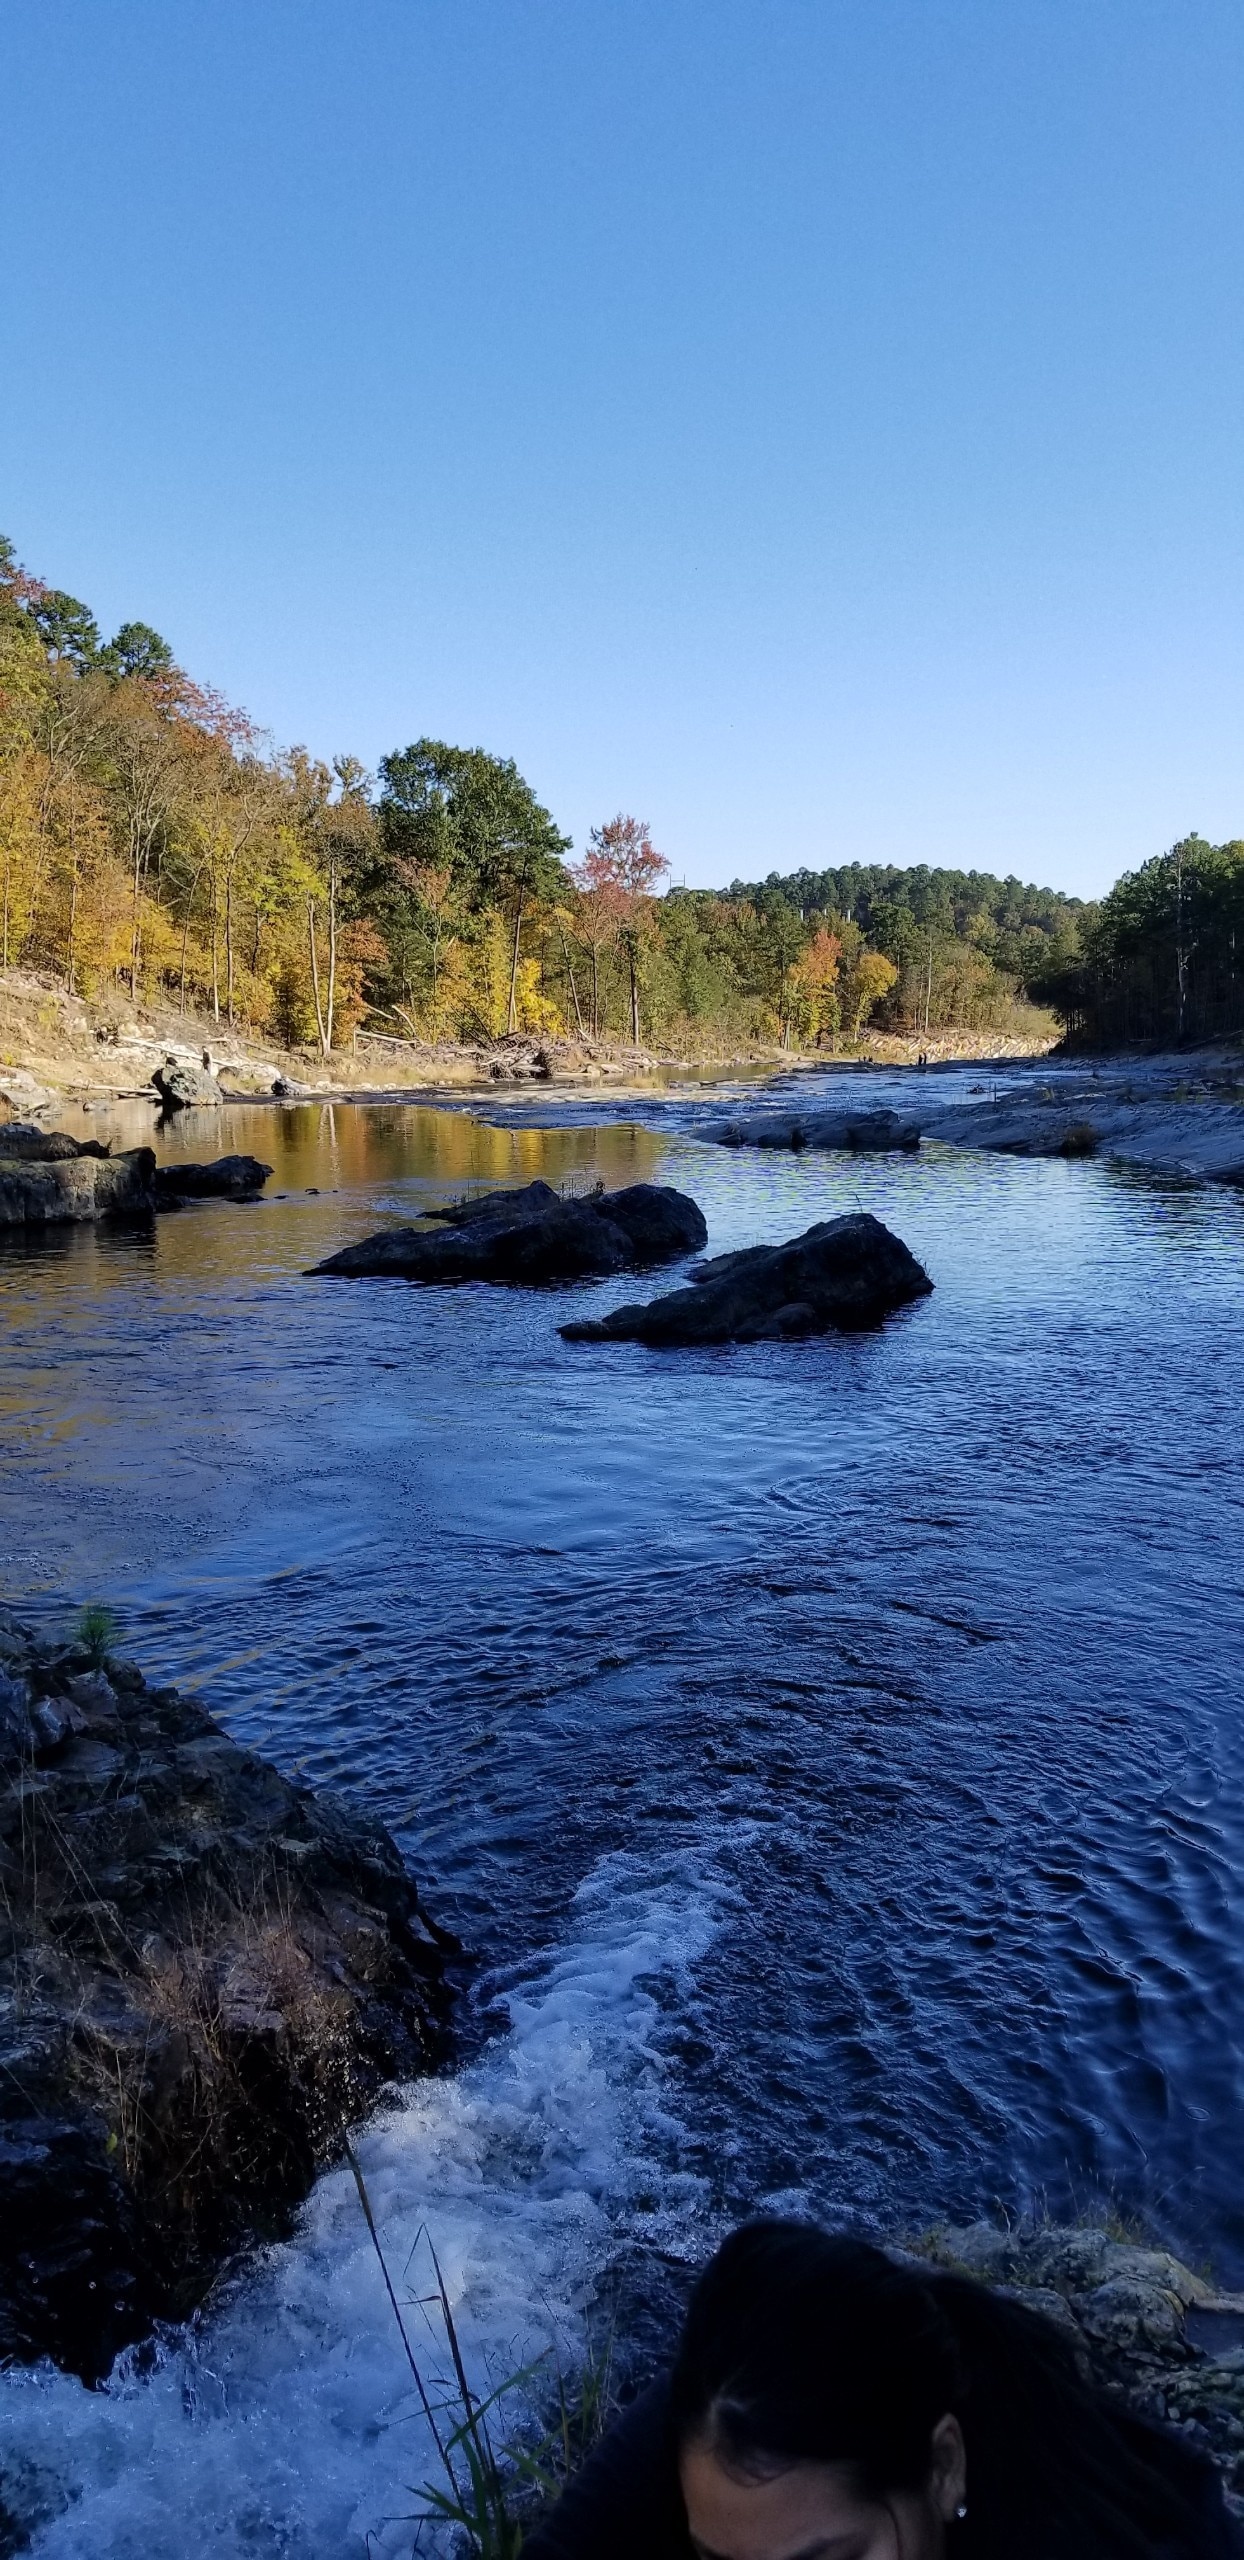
<point x="1079" y="1141"/>
<point x="97" y="1630"/>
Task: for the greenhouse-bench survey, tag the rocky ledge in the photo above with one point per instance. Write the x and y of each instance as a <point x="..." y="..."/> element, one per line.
<point x="532" y="1236"/>
<point x="48" y="1178"/>
<point x="843" y="1274"/>
<point x="207" y="1973"/>
<point x="1142" y="2324"/>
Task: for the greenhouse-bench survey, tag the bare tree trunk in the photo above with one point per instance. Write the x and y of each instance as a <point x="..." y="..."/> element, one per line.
<point x="185" y="932"/>
<point x="229" y="946"/>
<point x="1181" y="953"/>
<point x="70" y="952"/>
<point x="511" y="1018"/>
<point x="332" y="949"/>
<point x="595" y="993"/>
<point x="570" y="974"/>
<point x="631" y="962"/>
<point x="136" y="921"/>
<point x="315" y="978"/>
<point x="215" y="957"/>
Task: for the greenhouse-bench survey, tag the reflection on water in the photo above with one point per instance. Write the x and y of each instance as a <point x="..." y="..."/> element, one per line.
<point x="936" y="1629"/>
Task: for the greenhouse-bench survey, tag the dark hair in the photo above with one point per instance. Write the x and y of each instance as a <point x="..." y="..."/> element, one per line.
<point x="804" y="2347"/>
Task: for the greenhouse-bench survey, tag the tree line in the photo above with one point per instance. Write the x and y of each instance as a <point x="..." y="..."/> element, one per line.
<point x="152" y="840"/>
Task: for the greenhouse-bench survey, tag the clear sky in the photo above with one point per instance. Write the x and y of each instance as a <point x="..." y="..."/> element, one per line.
<point x="815" y="426"/>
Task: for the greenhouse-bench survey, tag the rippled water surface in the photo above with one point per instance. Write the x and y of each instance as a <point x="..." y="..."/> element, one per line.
<point x="831" y="1751"/>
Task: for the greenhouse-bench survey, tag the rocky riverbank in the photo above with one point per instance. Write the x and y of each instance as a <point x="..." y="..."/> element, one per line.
<point x="1143" y="2325"/>
<point x="1168" y="1115"/>
<point x="1181" y="1116"/>
<point x="207" y="1973"/>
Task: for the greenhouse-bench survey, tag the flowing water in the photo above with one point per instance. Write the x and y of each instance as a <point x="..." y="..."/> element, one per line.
<point x="830" y="1752"/>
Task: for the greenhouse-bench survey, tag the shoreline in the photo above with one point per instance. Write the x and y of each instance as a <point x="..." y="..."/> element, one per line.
<point x="210" y="1973"/>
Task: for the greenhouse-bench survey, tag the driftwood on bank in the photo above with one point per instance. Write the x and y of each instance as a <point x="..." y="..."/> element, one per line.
<point x="207" y="1972"/>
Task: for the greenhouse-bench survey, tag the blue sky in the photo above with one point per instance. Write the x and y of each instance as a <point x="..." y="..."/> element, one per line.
<point x="814" y="427"/>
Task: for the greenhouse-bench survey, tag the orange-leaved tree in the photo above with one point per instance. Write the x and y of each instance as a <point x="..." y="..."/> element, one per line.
<point x="816" y="975"/>
<point x="620" y="871"/>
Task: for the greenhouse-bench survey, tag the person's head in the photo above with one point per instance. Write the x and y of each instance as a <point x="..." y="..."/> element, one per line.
<point x="830" y="2403"/>
<point x="817" y="2401"/>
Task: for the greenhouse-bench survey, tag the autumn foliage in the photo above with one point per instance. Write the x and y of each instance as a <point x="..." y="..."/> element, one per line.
<point x="152" y="841"/>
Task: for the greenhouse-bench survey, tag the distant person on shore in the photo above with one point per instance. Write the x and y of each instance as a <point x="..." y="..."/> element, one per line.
<point x="829" y="2404"/>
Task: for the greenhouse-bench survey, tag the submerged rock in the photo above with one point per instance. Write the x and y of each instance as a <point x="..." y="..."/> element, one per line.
<point x="207" y="1973"/>
<point x="185" y="1088"/>
<point x="844" y="1273"/>
<point x="859" y="1132"/>
<point x="531" y="1236"/>
<point x="229" y="1178"/>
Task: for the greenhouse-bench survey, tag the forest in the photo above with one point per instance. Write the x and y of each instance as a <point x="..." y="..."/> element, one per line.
<point x="153" y="840"/>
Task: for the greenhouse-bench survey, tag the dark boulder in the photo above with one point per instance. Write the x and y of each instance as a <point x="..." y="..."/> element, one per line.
<point x="855" y="1132"/>
<point x="185" y="1088"/>
<point x="844" y="1273"/>
<point x="229" y="1178"/>
<point x="531" y="1200"/>
<point x="74" y="1190"/>
<point x="531" y="1237"/>
<point x="658" y="1222"/>
<point x="22" y="1143"/>
<point x="207" y="1973"/>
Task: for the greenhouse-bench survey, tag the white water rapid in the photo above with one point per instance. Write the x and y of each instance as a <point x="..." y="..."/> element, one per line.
<point x="286" y="2421"/>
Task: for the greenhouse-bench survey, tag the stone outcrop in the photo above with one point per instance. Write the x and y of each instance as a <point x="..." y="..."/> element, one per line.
<point x="842" y="1274"/>
<point x="23" y="1142"/>
<point x="206" y="1973"/>
<point x="76" y="1189"/>
<point x="49" y="1178"/>
<point x="228" y="1178"/>
<point x="1145" y="2326"/>
<point x="185" y="1088"/>
<point x="858" y="1132"/>
<point x="533" y="1236"/>
<point x="21" y="1092"/>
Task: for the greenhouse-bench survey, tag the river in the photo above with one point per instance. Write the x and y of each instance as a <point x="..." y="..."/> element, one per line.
<point x="830" y="1752"/>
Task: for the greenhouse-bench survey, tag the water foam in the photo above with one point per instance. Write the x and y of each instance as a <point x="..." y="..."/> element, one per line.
<point x="286" y="2421"/>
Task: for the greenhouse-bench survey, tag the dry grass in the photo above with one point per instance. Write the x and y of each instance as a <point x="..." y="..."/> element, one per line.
<point x="1080" y="1140"/>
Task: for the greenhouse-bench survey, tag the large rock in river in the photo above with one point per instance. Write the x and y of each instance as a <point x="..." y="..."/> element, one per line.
<point x="74" y="1190"/>
<point x="23" y="1142"/>
<point x="856" y="1132"/>
<point x="183" y="1088"/>
<point x="206" y="1973"/>
<point x="532" y="1236"/>
<point x="228" y="1178"/>
<point x="844" y="1273"/>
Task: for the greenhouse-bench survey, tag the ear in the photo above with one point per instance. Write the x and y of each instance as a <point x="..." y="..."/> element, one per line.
<point x="948" y="2468"/>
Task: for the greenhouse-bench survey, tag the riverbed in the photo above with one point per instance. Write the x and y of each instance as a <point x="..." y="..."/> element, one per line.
<point x="830" y="1753"/>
